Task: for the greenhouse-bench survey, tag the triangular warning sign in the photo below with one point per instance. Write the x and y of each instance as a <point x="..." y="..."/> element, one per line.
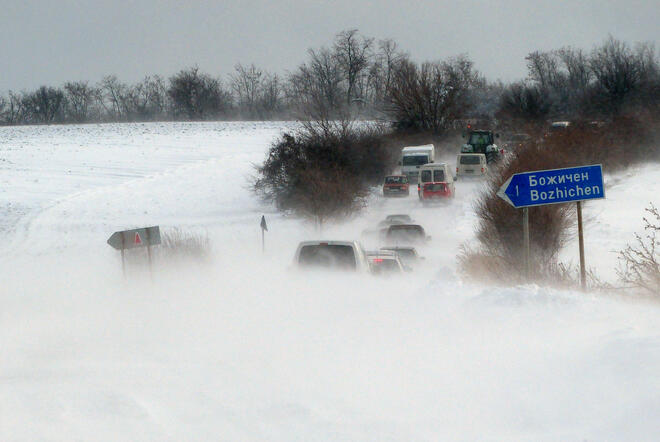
<point x="138" y="240"/>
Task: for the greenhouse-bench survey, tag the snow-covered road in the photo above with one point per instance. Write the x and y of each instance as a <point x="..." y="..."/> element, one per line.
<point x="247" y="349"/>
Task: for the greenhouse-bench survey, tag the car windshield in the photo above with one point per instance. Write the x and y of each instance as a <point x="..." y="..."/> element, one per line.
<point x="479" y="138"/>
<point x="415" y="160"/>
<point x="470" y="159"/>
<point x="396" y="180"/>
<point x="328" y="256"/>
<point x="384" y="266"/>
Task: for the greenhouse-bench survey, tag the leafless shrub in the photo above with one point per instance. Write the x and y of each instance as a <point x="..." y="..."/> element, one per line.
<point x="180" y="245"/>
<point x="500" y="229"/>
<point x="640" y="263"/>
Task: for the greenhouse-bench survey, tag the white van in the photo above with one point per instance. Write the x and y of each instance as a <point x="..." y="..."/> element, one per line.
<point x="332" y="255"/>
<point x="413" y="157"/>
<point x="435" y="173"/>
<point x="471" y="164"/>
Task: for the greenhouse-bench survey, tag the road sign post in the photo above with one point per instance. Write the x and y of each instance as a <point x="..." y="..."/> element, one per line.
<point x="130" y="239"/>
<point x="583" y="272"/>
<point x="526" y="241"/>
<point x="554" y="186"/>
<point x="264" y="228"/>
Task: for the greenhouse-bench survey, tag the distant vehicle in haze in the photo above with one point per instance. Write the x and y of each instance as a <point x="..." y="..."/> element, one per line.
<point x="557" y="126"/>
<point x="471" y="164"/>
<point x="406" y="234"/>
<point x="385" y="263"/>
<point x="399" y="218"/>
<point x="407" y="254"/>
<point x="413" y="157"/>
<point x="396" y="185"/>
<point x="331" y="255"/>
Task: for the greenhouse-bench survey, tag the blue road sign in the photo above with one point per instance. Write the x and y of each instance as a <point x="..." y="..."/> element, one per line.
<point x="554" y="186"/>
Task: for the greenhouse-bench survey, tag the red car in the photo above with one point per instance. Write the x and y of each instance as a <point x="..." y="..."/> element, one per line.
<point x="436" y="190"/>
<point x="396" y="185"/>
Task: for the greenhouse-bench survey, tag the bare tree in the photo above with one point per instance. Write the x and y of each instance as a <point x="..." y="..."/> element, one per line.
<point x="353" y="55"/>
<point x="14" y="113"/>
<point x="146" y="100"/>
<point x="3" y="106"/>
<point x="430" y="96"/>
<point x="79" y="98"/>
<point x="247" y="83"/>
<point x="271" y="98"/>
<point x="112" y="95"/>
<point x="45" y="105"/>
<point x="621" y="72"/>
<point x="316" y="86"/>
<point x="523" y="101"/>
<point x="196" y="95"/>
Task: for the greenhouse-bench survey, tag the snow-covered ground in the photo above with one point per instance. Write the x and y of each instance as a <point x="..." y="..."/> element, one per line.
<point x="248" y="349"/>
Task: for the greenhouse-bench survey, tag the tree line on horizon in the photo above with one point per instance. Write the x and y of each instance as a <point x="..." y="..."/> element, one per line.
<point x="358" y="76"/>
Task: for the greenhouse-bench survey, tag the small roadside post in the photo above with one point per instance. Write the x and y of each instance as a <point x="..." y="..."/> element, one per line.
<point x="131" y="239"/>
<point x="264" y="228"/>
<point x="554" y="186"/>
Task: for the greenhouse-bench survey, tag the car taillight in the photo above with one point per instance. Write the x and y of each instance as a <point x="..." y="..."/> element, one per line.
<point x="457" y="170"/>
<point x="482" y="170"/>
<point x="378" y="260"/>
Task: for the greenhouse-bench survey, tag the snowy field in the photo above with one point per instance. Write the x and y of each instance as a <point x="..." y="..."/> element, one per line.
<point x="246" y="348"/>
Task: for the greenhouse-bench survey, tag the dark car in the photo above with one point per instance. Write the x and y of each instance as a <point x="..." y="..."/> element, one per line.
<point x="396" y="185"/>
<point x="406" y="234"/>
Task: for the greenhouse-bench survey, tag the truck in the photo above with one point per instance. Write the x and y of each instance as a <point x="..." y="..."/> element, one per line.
<point x="482" y="141"/>
<point x="412" y="157"/>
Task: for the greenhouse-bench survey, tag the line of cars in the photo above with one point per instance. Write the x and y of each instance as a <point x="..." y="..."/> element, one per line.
<point x="398" y="234"/>
<point x="434" y="180"/>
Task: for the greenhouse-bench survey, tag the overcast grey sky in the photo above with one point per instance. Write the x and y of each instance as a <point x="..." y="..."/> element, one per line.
<point x="49" y="42"/>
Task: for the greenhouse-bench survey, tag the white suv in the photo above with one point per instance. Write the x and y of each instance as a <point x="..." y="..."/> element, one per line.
<point x="332" y="255"/>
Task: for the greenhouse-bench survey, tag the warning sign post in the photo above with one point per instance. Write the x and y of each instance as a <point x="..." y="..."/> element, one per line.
<point x="131" y="239"/>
